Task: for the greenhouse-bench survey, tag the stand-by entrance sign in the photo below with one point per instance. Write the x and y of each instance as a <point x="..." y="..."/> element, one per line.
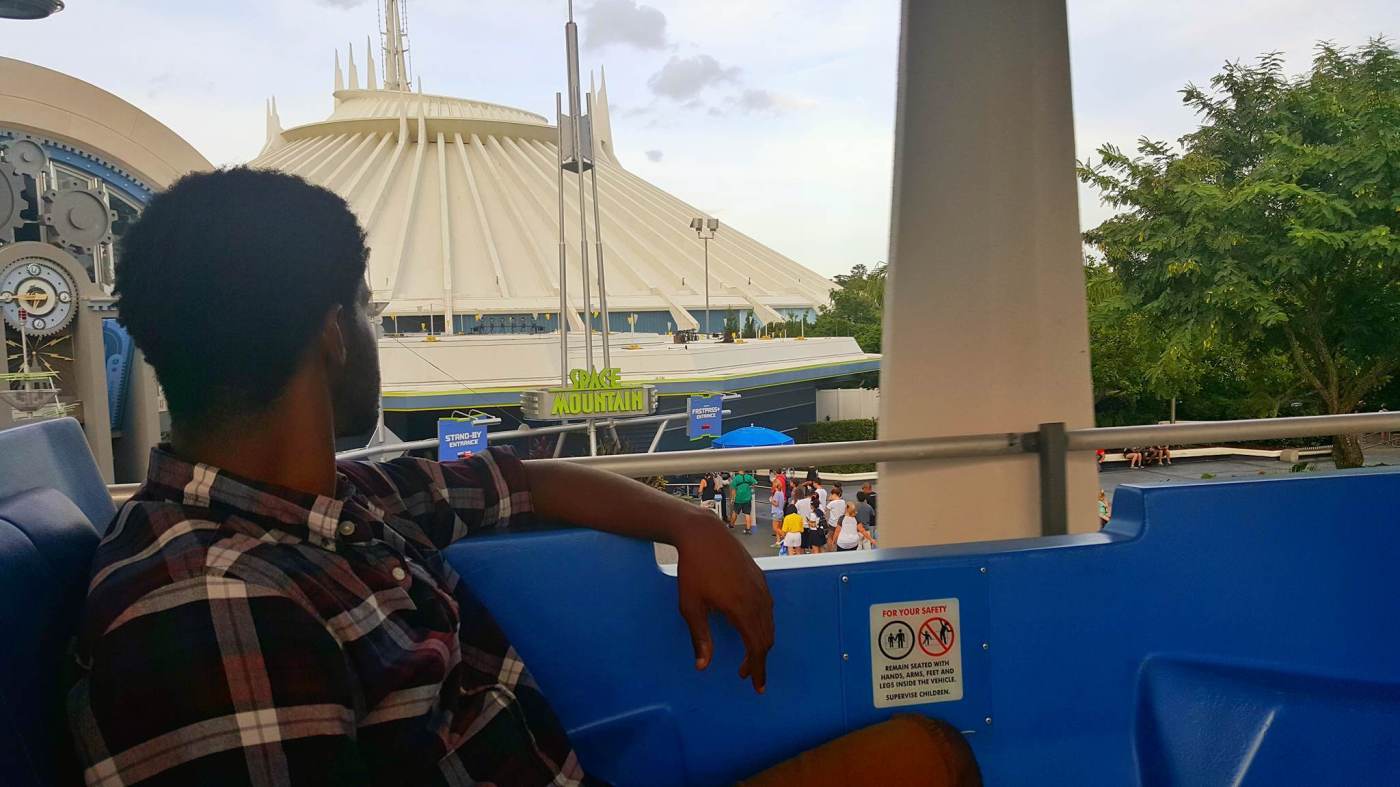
<point x="915" y="652"/>
<point x="460" y="438"/>
<point x="706" y="416"/>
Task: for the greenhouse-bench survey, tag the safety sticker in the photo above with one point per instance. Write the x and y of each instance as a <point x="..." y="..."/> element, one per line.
<point x="916" y="652"/>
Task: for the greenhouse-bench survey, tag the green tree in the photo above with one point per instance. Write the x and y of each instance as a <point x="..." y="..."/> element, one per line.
<point x="1274" y="225"/>
<point x="750" y="327"/>
<point x="856" y="309"/>
<point x="1138" y="369"/>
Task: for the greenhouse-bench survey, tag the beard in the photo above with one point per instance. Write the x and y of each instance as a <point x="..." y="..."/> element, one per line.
<point x="356" y="394"/>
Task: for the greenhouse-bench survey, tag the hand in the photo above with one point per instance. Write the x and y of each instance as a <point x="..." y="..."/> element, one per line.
<point x="717" y="574"/>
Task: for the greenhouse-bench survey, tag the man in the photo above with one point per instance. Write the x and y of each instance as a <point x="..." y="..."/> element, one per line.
<point x="869" y="492"/>
<point x="865" y="513"/>
<point x="261" y="614"/>
<point x="743" y="483"/>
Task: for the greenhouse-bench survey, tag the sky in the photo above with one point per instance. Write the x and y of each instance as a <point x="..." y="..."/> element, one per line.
<point x="776" y="116"/>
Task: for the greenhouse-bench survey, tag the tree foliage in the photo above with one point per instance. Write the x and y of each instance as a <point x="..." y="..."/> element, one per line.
<point x="1139" y="367"/>
<point x="856" y="309"/>
<point x="1274" y="228"/>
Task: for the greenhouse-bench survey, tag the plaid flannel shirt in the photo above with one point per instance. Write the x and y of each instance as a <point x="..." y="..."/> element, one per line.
<point x="240" y="633"/>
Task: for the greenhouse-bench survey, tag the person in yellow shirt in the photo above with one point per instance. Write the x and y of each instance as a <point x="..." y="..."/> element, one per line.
<point x="792" y="529"/>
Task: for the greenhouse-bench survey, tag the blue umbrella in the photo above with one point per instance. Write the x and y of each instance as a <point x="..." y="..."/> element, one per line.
<point x="752" y="437"/>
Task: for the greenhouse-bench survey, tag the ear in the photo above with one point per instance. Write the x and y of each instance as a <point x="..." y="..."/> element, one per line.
<point x="332" y="345"/>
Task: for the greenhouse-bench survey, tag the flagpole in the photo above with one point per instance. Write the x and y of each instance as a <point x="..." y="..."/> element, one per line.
<point x="571" y="45"/>
<point x="598" y="235"/>
<point x="563" y="254"/>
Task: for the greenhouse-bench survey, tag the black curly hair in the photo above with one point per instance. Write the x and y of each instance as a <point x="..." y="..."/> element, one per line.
<point x="225" y="280"/>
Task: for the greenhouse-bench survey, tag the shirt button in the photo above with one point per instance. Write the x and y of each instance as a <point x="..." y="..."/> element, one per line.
<point x="399" y="574"/>
<point x="347" y="528"/>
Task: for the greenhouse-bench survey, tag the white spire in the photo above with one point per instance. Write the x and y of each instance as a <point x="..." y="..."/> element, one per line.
<point x="602" y="122"/>
<point x="369" y="66"/>
<point x="339" y="77"/>
<point x="396" y="75"/>
<point x="275" y="139"/>
<point x="354" y="74"/>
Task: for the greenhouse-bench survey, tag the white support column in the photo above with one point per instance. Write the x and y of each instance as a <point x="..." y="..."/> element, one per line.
<point x="985" y="327"/>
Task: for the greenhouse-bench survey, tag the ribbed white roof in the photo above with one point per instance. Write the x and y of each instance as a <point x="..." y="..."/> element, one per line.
<point x="459" y="200"/>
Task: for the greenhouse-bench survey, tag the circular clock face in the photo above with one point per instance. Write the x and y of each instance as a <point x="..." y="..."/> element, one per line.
<point x="36" y="296"/>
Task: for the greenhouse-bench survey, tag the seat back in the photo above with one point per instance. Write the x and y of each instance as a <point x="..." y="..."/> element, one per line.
<point x="52" y="502"/>
<point x="1228" y="632"/>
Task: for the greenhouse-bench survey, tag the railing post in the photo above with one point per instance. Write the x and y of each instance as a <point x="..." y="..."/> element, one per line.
<point x="1053" y="447"/>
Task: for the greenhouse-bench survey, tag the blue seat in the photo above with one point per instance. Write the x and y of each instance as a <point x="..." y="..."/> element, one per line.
<point x="51" y="498"/>
<point x="1225" y="633"/>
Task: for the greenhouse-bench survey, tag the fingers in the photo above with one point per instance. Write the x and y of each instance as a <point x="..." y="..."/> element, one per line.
<point x="699" y="624"/>
<point x="758" y="639"/>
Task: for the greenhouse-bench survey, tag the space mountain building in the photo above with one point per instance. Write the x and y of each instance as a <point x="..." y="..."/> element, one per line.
<point x="459" y="199"/>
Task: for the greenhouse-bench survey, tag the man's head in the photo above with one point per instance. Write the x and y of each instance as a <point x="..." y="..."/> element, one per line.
<point x="836" y="490"/>
<point x="866" y="488"/>
<point x="860" y="496"/>
<point x="236" y="282"/>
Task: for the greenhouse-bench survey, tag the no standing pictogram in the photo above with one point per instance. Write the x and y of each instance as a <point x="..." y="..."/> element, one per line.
<point x="936" y="636"/>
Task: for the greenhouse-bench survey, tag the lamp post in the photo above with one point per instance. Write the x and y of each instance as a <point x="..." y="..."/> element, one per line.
<point x="705" y="230"/>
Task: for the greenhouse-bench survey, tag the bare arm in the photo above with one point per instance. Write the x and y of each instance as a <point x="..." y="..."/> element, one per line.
<point x="716" y="573"/>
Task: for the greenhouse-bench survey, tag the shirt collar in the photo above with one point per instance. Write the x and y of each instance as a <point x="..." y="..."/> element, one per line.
<point x="302" y="515"/>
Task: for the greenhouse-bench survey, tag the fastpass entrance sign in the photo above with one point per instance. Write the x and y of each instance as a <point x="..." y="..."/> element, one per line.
<point x="596" y="394"/>
<point x="705" y="416"/>
<point x="916" y="652"/>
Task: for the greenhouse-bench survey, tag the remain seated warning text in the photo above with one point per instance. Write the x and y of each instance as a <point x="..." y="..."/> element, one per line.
<point x="916" y="652"/>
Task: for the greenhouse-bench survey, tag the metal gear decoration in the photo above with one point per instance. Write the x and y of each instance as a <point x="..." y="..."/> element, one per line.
<point x="78" y="218"/>
<point x="27" y="157"/>
<point x="37" y="296"/>
<point x="11" y="202"/>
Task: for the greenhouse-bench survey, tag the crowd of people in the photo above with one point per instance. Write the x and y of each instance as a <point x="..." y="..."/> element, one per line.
<point x="807" y="516"/>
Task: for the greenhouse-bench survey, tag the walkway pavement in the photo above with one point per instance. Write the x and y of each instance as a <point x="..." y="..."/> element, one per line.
<point x="1113" y="476"/>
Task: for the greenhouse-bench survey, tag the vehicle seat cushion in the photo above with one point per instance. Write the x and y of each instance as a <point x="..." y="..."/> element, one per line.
<point x="907" y="750"/>
<point x="58" y="529"/>
<point x="54" y="454"/>
<point x="46" y="548"/>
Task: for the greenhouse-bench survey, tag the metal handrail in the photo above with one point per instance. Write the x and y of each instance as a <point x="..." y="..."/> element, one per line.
<point x="957" y="447"/>
<point x="970" y="446"/>
<point x="858" y="451"/>
<point x="1237" y="431"/>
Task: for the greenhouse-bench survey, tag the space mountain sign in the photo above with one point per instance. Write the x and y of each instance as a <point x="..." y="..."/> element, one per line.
<point x="598" y="394"/>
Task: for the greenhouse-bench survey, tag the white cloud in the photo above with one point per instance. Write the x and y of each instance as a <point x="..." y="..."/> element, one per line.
<point x="625" y="22"/>
<point x="341" y="3"/>
<point x="684" y="78"/>
<point x="759" y="100"/>
<point x="655" y="155"/>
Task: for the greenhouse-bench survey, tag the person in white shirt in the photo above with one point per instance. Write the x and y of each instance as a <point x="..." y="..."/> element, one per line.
<point x="834" y="510"/>
<point x="821" y="493"/>
<point x="848" y="538"/>
<point x="803" y="500"/>
<point x="813" y="537"/>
